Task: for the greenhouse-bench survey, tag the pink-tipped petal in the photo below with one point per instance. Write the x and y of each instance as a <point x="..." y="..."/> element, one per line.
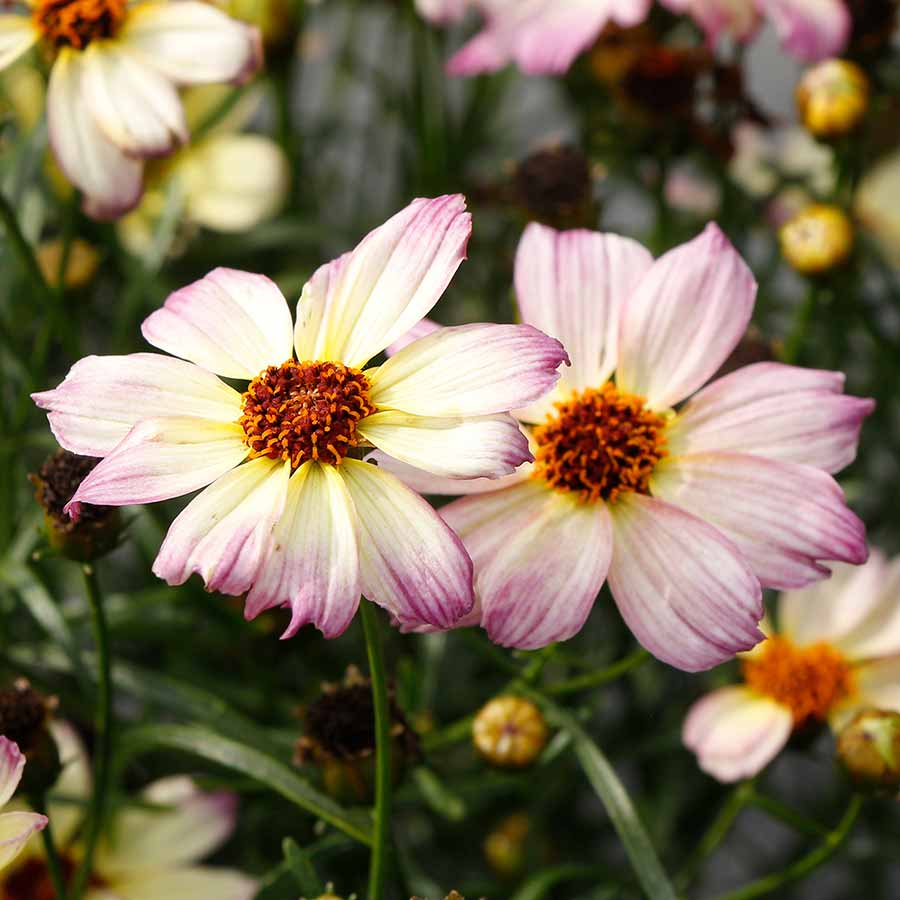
<point x="684" y="319"/>
<point x="786" y="519"/>
<point x="12" y="762"/>
<point x="231" y="322"/>
<point x="313" y="562"/>
<point x="189" y="883"/>
<point x="411" y="563"/>
<point x="809" y="29"/>
<point x="573" y="285"/>
<point x="421" y="329"/>
<point x="110" y="180"/>
<point x="17" y="36"/>
<point x="681" y="586"/>
<point x="16" y="829"/>
<point x="451" y="447"/>
<point x="540" y="559"/>
<point x="104" y="397"/>
<point x="191" y="42"/>
<point x="225" y="532"/>
<point x="469" y="370"/>
<point x="736" y="733"/>
<point x="161" y="459"/>
<point x="389" y="282"/>
<point x="777" y="411"/>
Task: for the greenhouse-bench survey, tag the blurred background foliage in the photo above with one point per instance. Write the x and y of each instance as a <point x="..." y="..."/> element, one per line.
<point x="649" y="135"/>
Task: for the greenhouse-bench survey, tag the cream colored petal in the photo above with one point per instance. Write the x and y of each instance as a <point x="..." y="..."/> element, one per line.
<point x="17" y="35"/>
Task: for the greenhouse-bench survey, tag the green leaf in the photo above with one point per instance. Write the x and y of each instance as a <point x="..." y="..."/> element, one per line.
<point x="438" y="796"/>
<point x="538" y="886"/>
<point x="302" y="868"/>
<point x="248" y="761"/>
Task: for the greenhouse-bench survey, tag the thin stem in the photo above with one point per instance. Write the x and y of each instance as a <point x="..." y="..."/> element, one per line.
<point x="54" y="864"/>
<point x="829" y="846"/>
<point x="600" y="677"/>
<point x="381" y="833"/>
<point x="789" y="816"/>
<point x="802" y="319"/>
<point x="103" y="731"/>
<point x="23" y="250"/>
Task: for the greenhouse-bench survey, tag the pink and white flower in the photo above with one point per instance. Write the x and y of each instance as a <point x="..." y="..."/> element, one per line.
<point x="113" y="93"/>
<point x="290" y="516"/>
<point x="687" y="510"/>
<point x="17" y="826"/>
<point x="836" y="651"/>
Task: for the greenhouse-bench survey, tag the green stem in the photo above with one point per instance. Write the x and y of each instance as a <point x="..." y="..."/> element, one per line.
<point x="829" y="846"/>
<point x="23" y="250"/>
<point x="780" y="811"/>
<point x="103" y="732"/>
<point x="802" y="319"/>
<point x="381" y="834"/>
<point x="600" y="677"/>
<point x="54" y="864"/>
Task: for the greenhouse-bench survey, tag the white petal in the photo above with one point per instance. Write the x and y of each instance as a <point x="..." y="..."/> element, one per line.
<point x="17" y="35"/>
<point x="451" y="447"/>
<point x="786" y="519"/>
<point x="470" y="370"/>
<point x="736" y="733"/>
<point x="133" y="105"/>
<point x="191" y="42"/>
<point x="230" y="322"/>
<point x="313" y="562"/>
<point x="74" y="783"/>
<point x="387" y="284"/>
<point x="225" y="532"/>
<point x="16" y="828"/>
<point x="161" y="459"/>
<point x="573" y="286"/>
<point x="686" y="316"/>
<point x="421" y="329"/>
<point x="12" y="762"/>
<point x="540" y="560"/>
<point x="411" y="563"/>
<point x="878" y="634"/>
<point x="878" y="685"/>
<point x="777" y="411"/>
<point x="194" y="883"/>
<point x="426" y="483"/>
<point x="682" y="587"/>
<point x="110" y="181"/>
<point x="104" y="397"/>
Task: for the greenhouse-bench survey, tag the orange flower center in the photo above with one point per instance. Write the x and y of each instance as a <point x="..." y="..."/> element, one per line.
<point x="305" y="410"/>
<point x="75" y="23"/>
<point x="810" y="681"/>
<point x="599" y="443"/>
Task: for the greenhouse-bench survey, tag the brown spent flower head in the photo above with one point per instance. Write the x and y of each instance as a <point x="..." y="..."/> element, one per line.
<point x="97" y="529"/>
<point x="661" y="83"/>
<point x="24" y="719"/>
<point x="817" y="239"/>
<point x="617" y="49"/>
<point x="509" y="732"/>
<point x="554" y="186"/>
<point x="868" y="747"/>
<point x="832" y="98"/>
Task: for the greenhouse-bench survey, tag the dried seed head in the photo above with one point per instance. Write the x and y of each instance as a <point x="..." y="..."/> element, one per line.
<point x="554" y="186"/>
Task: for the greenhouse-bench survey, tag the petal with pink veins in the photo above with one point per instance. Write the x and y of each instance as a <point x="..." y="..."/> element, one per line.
<point x="540" y="558"/>
<point x="16" y="829"/>
<point x="810" y="30"/>
<point x="777" y="411"/>
<point x="104" y="397"/>
<point x="736" y="733"/>
<point x="684" y="319"/>
<point x="681" y="586"/>
<point x="12" y="762"/>
<point x="786" y="519"/>
<point x="231" y="322"/>
<point x="411" y="563"/>
<point x="225" y="532"/>
<point x="313" y="562"/>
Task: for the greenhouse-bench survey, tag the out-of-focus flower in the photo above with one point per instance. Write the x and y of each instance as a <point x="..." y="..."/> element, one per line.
<point x="692" y="191"/>
<point x="687" y="512"/>
<point x="817" y="239"/>
<point x="505" y="847"/>
<point x="97" y="529"/>
<point x="112" y="99"/>
<point x="16" y="827"/>
<point x="509" y="732"/>
<point x="150" y="852"/>
<point x="617" y="49"/>
<point x="340" y="738"/>
<point x="25" y="720"/>
<point x="877" y="205"/>
<point x="292" y="516"/>
<point x="81" y="264"/>
<point x="661" y="83"/>
<point x="832" y="98"/>
<point x="836" y="651"/>
<point x="554" y="186"/>
<point x="868" y="746"/>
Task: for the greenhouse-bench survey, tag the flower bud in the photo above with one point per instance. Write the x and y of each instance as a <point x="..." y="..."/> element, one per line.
<point x="554" y="186"/>
<point x="81" y="265"/>
<point x="96" y="530"/>
<point x="24" y="714"/>
<point x="869" y="749"/>
<point x="509" y="732"/>
<point x="832" y="97"/>
<point x="817" y="239"/>
<point x="505" y="848"/>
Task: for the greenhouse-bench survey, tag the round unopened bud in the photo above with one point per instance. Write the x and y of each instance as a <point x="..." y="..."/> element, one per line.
<point x="509" y="732"/>
<point x="869" y="748"/>
<point x="832" y="97"/>
<point x="817" y="239"/>
<point x="554" y="186"/>
<point x="506" y="847"/>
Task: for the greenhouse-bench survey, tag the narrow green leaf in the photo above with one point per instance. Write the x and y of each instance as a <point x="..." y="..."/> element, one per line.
<point x="438" y="796"/>
<point x="302" y="868"/>
<point x="248" y="761"/>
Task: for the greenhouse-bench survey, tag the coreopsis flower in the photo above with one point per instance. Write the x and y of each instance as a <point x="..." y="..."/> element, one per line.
<point x="16" y="827"/>
<point x="292" y="516"/>
<point x="687" y="508"/>
<point x="112" y="98"/>
<point x="836" y="651"/>
<point x="153" y="848"/>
